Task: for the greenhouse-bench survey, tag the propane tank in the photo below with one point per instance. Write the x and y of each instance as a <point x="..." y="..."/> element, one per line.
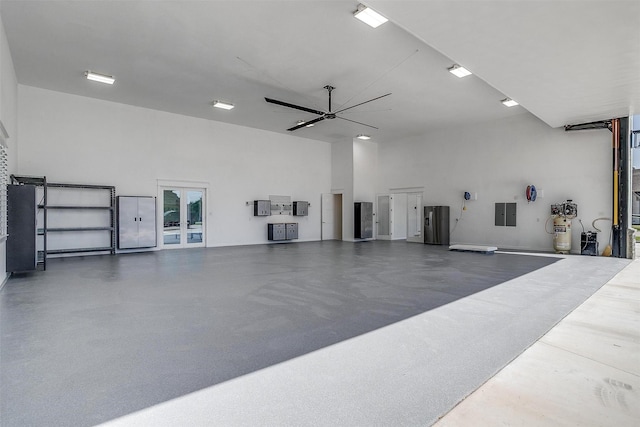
<point x="562" y="234"/>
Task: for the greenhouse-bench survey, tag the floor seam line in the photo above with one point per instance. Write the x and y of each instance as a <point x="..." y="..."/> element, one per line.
<point x="542" y="341"/>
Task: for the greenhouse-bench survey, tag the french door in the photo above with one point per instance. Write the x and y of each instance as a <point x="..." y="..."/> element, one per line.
<point x="183" y="217"/>
<point x="383" y="219"/>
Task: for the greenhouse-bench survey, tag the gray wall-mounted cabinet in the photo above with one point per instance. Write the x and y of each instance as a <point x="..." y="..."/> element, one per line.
<point x="136" y="222"/>
<point x="363" y="220"/>
<point x="300" y="208"/>
<point x="282" y="231"/>
<point x="291" y="230"/>
<point x="276" y="232"/>
<point x="262" y="207"/>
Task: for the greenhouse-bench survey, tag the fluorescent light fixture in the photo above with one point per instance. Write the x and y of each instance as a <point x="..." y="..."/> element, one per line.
<point x="222" y="104"/>
<point x="459" y="71"/>
<point x="369" y="16"/>
<point x="509" y="102"/>
<point x="97" y="77"/>
<point x="365" y="137"/>
<point x="301" y="122"/>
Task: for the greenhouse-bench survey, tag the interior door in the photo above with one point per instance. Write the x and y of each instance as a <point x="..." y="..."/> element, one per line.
<point x="383" y="217"/>
<point x="331" y="216"/>
<point x="414" y="218"/>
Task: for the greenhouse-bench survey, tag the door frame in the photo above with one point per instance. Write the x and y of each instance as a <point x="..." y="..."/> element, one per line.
<point x="420" y="219"/>
<point x="337" y="213"/>
<point x="183" y="186"/>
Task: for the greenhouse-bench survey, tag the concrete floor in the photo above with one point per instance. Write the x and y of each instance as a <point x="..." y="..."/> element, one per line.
<point x="323" y="333"/>
<point x="585" y="371"/>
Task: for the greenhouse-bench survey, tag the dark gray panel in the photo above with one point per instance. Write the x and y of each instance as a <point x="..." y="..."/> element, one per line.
<point x="510" y="214"/>
<point x="500" y="214"/>
<point x="21" y="227"/>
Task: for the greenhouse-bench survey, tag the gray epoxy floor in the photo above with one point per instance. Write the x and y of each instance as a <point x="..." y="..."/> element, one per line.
<point x="95" y="338"/>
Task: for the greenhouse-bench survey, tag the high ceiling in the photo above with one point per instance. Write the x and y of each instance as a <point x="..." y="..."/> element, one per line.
<point x="564" y="61"/>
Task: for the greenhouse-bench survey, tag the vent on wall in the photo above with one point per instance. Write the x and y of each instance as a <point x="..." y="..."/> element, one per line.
<point x="4" y="180"/>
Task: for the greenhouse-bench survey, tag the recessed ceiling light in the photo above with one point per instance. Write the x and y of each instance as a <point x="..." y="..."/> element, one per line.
<point x="301" y="122"/>
<point x="97" y="77"/>
<point x="369" y="16"/>
<point x="365" y="137"/>
<point x="509" y="102"/>
<point x="222" y="104"/>
<point x="459" y="71"/>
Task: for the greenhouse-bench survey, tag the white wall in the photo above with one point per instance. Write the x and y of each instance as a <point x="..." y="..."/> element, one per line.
<point x="74" y="139"/>
<point x="365" y="174"/>
<point x="8" y="95"/>
<point x="8" y="117"/>
<point x="365" y="170"/>
<point x="342" y="183"/>
<point x="498" y="160"/>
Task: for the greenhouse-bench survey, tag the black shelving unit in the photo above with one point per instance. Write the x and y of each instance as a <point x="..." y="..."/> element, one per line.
<point x="38" y="181"/>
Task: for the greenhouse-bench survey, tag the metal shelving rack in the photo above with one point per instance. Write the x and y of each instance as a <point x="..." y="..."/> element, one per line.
<point x="45" y="207"/>
<point x="111" y="228"/>
<point x="38" y="181"/>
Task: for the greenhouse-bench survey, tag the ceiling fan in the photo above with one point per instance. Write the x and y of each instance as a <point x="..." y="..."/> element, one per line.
<point x="323" y="114"/>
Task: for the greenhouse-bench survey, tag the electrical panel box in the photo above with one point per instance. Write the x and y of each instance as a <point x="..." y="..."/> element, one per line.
<point x="291" y="231"/>
<point x="261" y="207"/>
<point x="301" y="208"/>
<point x="276" y="231"/>
<point x="505" y="214"/>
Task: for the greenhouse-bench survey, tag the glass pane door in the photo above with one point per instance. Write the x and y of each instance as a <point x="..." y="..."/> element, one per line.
<point x="183" y="217"/>
<point x="384" y="217"/>
<point x="194" y="216"/>
<point x="172" y="213"/>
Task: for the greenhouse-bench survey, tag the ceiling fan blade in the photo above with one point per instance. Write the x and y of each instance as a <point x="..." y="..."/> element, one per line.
<point x="349" y="120"/>
<point x="297" y="107"/>
<point x="348" y="108"/>
<point x="305" y="124"/>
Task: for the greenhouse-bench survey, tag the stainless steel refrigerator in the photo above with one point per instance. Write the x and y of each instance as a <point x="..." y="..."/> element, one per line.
<point x="436" y="225"/>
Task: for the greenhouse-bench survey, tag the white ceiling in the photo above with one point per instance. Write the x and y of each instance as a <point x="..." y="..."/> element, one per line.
<point x="564" y="61"/>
